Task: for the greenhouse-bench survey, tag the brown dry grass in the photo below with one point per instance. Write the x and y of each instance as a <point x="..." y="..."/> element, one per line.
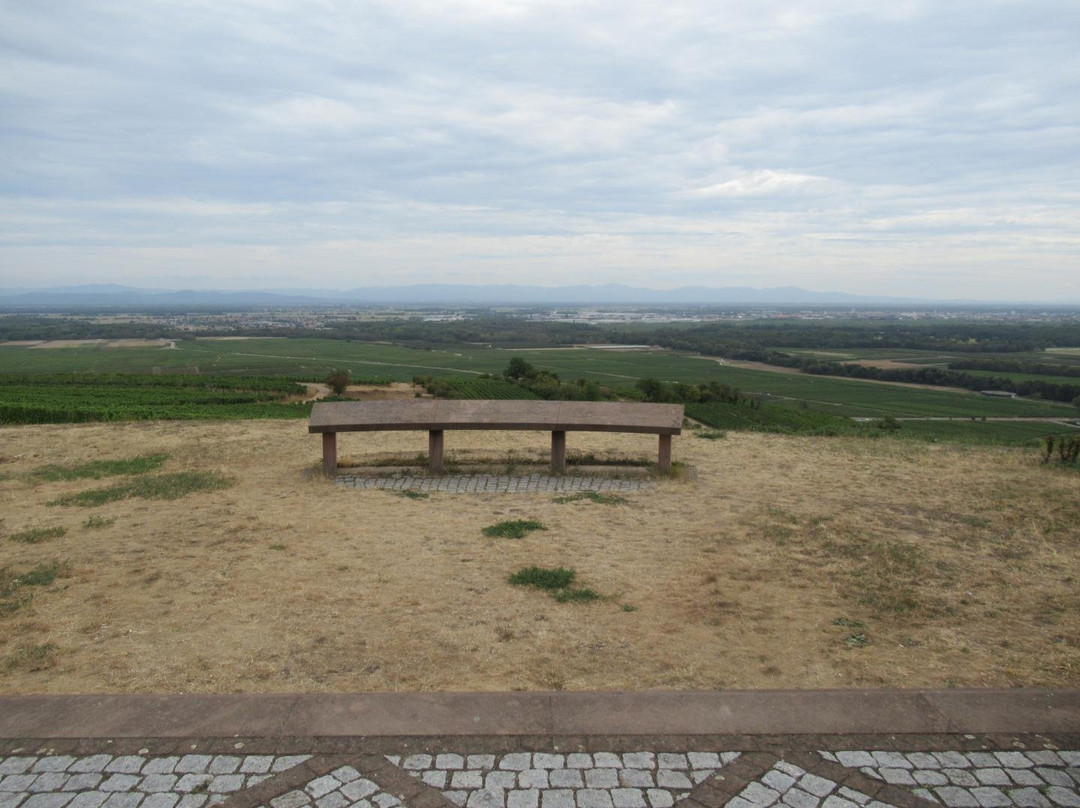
<point x="286" y="583"/>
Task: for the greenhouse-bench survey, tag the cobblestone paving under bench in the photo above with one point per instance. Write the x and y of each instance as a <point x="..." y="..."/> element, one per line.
<point x="133" y="781"/>
<point x="576" y="780"/>
<point x="493" y="483"/>
<point x="1032" y="779"/>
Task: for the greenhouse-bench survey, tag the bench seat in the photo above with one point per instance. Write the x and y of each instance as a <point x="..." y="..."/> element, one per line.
<point x="437" y="415"/>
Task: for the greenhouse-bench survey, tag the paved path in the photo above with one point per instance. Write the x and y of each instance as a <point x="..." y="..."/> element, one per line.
<point x="494" y="483"/>
<point x="750" y="749"/>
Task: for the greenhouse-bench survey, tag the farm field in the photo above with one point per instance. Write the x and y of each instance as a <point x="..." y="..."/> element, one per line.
<point x="789" y="562"/>
<point x="314" y="358"/>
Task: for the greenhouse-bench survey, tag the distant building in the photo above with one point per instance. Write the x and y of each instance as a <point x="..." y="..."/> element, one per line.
<point x="998" y="393"/>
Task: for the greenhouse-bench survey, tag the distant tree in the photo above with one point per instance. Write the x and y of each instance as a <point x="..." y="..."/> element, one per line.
<point x="520" y="369"/>
<point x="653" y="389"/>
<point x="338" y="381"/>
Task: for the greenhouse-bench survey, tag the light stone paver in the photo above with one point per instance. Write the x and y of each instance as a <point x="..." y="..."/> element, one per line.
<point x="493" y="484"/>
<point x="1024" y="779"/>
<point x="131" y="781"/>
<point x="641" y="779"/>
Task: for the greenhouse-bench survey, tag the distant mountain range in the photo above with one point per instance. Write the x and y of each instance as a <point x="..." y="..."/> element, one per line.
<point x="111" y="295"/>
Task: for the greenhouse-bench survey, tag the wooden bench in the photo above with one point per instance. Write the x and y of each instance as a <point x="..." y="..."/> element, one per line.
<point x="438" y="415"/>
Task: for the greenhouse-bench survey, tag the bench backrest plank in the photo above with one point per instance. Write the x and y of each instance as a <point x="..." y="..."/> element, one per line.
<point x="550" y="416"/>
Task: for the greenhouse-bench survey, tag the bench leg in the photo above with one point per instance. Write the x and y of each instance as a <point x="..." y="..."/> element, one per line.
<point x="664" y="459"/>
<point x="435" y="450"/>
<point x="329" y="453"/>
<point x="558" y="452"/>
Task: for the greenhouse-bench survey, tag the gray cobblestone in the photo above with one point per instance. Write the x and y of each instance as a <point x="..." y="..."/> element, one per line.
<point x="163" y="765"/>
<point x="255" y="764"/>
<point x="1066" y="797"/>
<point x="579" y="760"/>
<point x="480" y="762"/>
<point x="449" y="762"/>
<point x="435" y="779"/>
<point x="359" y="789"/>
<point x="601" y="778"/>
<point x="16" y="765"/>
<point x="126" y="764"/>
<point x="492" y="484"/>
<point x="658" y="798"/>
<point x="123" y="800"/>
<point x="291" y="799"/>
<point x="54" y="800"/>
<point x="566" y="778"/>
<point x="531" y="778"/>
<point x="636" y="778"/>
<point x="94" y="763"/>
<point x="557" y="798"/>
<point x="607" y="760"/>
<point x="518" y="761"/>
<point x="49" y="781"/>
<point x="161" y="801"/>
<point x="192" y="764"/>
<point x="628" y="798"/>
<point x="224" y="764"/>
<point x="120" y="782"/>
<point x="334" y="799"/>
<point x="594" y="798"/>
<point x="88" y="799"/>
<point x="53" y="763"/>
<point x="467" y="779"/>
<point x="83" y="782"/>
<point x="797" y="798"/>
<point x="523" y="798"/>
<point x="542" y="760"/>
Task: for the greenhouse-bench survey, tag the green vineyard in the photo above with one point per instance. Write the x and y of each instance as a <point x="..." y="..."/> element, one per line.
<point x="79" y="398"/>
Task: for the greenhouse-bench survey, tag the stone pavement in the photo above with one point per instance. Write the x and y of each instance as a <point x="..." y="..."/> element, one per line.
<point x="494" y="483"/>
<point x="871" y="749"/>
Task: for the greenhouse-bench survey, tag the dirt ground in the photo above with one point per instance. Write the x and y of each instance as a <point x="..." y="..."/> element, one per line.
<point x="788" y="562"/>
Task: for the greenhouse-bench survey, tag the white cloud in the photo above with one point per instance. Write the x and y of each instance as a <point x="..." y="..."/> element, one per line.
<point x="551" y="141"/>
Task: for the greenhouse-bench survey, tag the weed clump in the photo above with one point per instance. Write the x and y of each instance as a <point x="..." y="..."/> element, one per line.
<point x="558" y="581"/>
<point x="164" y="486"/>
<point x="544" y="578"/>
<point x="512" y="528"/>
<point x="38" y="534"/>
<point x="409" y="494"/>
<point x="95" y="522"/>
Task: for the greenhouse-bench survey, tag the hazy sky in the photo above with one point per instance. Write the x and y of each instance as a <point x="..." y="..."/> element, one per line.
<point x="910" y="148"/>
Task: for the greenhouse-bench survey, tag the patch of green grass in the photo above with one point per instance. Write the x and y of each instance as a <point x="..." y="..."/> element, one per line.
<point x="512" y="528"/>
<point x="559" y="582"/>
<point x="711" y="434"/>
<point x="573" y="593"/>
<point x="164" y="486"/>
<point x="544" y="578"/>
<point x="858" y="640"/>
<point x="94" y="522"/>
<point x="277" y="546"/>
<point x="593" y="496"/>
<point x="97" y="469"/>
<point x="38" y="534"/>
<point x="32" y="657"/>
<point x="847" y="623"/>
<point x="13" y="584"/>
<point x="413" y="494"/>
<point x="626" y="607"/>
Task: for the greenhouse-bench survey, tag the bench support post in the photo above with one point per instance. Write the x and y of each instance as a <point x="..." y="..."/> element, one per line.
<point x="558" y="452"/>
<point x="329" y="453"/>
<point x="664" y="459"/>
<point x="435" y="450"/>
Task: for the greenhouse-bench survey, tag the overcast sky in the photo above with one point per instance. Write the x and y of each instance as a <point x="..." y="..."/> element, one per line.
<point x="909" y="148"/>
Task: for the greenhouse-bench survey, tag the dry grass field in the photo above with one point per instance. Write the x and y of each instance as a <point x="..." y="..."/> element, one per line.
<point x="788" y="562"/>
